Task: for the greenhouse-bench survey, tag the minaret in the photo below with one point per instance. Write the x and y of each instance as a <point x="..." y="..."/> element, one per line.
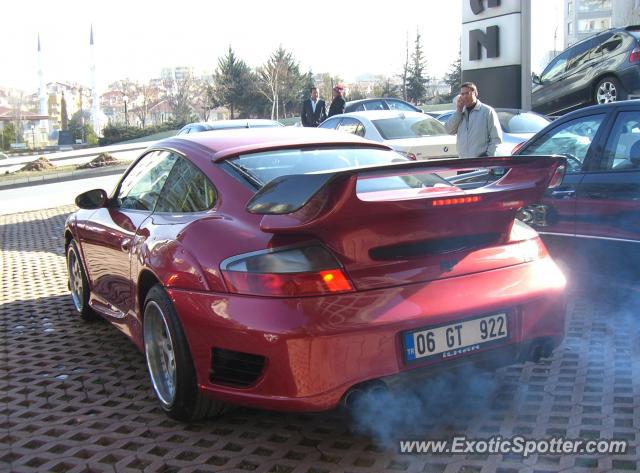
<point x="42" y="93"/>
<point x="95" y="106"/>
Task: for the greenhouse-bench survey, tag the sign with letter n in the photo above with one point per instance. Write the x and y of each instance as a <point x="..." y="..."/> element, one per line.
<point x="496" y="45"/>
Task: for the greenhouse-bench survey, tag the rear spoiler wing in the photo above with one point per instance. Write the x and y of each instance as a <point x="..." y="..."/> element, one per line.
<point x="527" y="177"/>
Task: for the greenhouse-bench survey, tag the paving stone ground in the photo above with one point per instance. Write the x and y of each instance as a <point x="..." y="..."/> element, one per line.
<point x="74" y="396"/>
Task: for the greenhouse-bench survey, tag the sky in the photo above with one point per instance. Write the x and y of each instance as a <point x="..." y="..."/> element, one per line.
<point x="136" y="38"/>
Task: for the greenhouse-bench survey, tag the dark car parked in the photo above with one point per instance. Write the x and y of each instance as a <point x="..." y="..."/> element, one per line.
<point x="598" y="203"/>
<point x="228" y="125"/>
<point x="380" y="104"/>
<point x="601" y="69"/>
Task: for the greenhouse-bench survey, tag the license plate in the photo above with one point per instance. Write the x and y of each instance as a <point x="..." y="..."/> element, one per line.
<point x="456" y="339"/>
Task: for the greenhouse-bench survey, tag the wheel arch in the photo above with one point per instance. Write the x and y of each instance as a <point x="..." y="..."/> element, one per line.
<point x="146" y="280"/>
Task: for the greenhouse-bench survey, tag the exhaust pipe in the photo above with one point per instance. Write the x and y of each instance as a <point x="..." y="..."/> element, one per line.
<point x="536" y="352"/>
<point x="357" y="394"/>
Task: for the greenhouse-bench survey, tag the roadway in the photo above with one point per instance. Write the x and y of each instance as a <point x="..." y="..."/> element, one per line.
<point x="123" y="152"/>
<point x="44" y="196"/>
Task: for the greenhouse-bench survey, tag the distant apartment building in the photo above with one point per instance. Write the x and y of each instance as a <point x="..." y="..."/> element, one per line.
<point x="176" y="73"/>
<point x="584" y="18"/>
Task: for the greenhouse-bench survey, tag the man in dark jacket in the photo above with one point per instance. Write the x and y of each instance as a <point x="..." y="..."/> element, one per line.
<point x="313" y="110"/>
<point x="338" y="103"/>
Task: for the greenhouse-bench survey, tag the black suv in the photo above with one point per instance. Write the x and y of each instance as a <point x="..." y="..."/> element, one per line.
<point x="601" y="69"/>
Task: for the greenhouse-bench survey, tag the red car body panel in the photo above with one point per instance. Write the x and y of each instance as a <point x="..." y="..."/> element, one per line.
<point x="318" y="347"/>
<point x="315" y="347"/>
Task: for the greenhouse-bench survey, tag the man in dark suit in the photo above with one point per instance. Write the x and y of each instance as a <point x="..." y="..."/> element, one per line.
<point x="338" y="103"/>
<point x="313" y="110"/>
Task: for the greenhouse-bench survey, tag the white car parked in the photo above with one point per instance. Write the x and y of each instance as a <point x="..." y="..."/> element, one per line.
<point x="413" y="134"/>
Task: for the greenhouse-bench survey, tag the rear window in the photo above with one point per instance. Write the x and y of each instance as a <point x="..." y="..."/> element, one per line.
<point x="260" y="168"/>
<point x="513" y="122"/>
<point x="401" y="127"/>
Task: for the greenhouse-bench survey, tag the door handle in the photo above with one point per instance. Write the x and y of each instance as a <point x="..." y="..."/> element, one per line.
<point x="596" y="195"/>
<point x="563" y="194"/>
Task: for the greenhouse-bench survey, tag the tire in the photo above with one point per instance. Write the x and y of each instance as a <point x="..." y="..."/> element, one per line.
<point x="79" y="284"/>
<point x="607" y="90"/>
<point x="169" y="362"/>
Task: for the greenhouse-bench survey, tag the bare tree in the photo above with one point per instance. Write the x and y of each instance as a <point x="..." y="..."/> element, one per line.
<point x="179" y="94"/>
<point x="146" y="96"/>
<point x="404" y="76"/>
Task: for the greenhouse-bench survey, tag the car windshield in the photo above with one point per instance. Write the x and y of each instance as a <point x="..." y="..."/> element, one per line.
<point x="516" y="122"/>
<point x="400" y="127"/>
<point x="260" y="168"/>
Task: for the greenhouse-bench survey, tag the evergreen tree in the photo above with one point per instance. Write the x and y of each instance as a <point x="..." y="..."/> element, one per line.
<point x="8" y="134"/>
<point x="417" y="78"/>
<point x="64" y="116"/>
<point x="454" y="78"/>
<point x="282" y="83"/>
<point x="232" y="82"/>
<point x="80" y="126"/>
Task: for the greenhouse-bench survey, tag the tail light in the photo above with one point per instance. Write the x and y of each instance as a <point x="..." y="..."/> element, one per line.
<point x="557" y="177"/>
<point x="529" y="243"/>
<point x="455" y="201"/>
<point x="407" y="155"/>
<point x="635" y="55"/>
<point x="288" y="271"/>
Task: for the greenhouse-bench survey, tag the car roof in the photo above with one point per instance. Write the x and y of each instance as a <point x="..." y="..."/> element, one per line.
<point x="239" y="141"/>
<point x="603" y="107"/>
<point x="619" y="29"/>
<point x="236" y="123"/>
<point x="380" y="114"/>
<point x="370" y="99"/>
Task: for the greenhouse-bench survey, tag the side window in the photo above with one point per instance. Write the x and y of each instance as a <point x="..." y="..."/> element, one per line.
<point x="556" y="67"/>
<point x="581" y="53"/>
<point x="611" y="44"/>
<point x="622" y="150"/>
<point x="571" y="139"/>
<point x="331" y="123"/>
<point x="350" y="125"/>
<point x="141" y="188"/>
<point x="374" y="105"/>
<point x="397" y="105"/>
<point x="186" y="189"/>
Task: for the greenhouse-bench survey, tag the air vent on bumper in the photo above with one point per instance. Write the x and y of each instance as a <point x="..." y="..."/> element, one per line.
<point x="235" y="368"/>
<point x="437" y="246"/>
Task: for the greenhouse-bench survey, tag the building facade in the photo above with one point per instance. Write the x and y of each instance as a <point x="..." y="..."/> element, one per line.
<point x="585" y="18"/>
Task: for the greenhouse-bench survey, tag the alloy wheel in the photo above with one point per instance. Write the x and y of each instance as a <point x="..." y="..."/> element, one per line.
<point x="606" y="92"/>
<point x="160" y="354"/>
<point x="75" y="280"/>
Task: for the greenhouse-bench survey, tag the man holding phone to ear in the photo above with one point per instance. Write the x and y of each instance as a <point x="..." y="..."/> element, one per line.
<point x="475" y="124"/>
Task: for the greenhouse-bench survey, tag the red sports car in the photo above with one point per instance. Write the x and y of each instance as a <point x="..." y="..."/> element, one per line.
<point x="290" y="268"/>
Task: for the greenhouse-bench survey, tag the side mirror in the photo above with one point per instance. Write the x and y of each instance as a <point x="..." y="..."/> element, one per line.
<point x="93" y="199"/>
<point x="535" y="78"/>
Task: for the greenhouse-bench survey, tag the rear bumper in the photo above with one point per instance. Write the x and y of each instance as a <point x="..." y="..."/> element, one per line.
<point x="630" y="79"/>
<point x="316" y="348"/>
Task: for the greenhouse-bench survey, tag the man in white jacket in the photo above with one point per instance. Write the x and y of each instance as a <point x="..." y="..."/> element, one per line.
<point x="475" y="124"/>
